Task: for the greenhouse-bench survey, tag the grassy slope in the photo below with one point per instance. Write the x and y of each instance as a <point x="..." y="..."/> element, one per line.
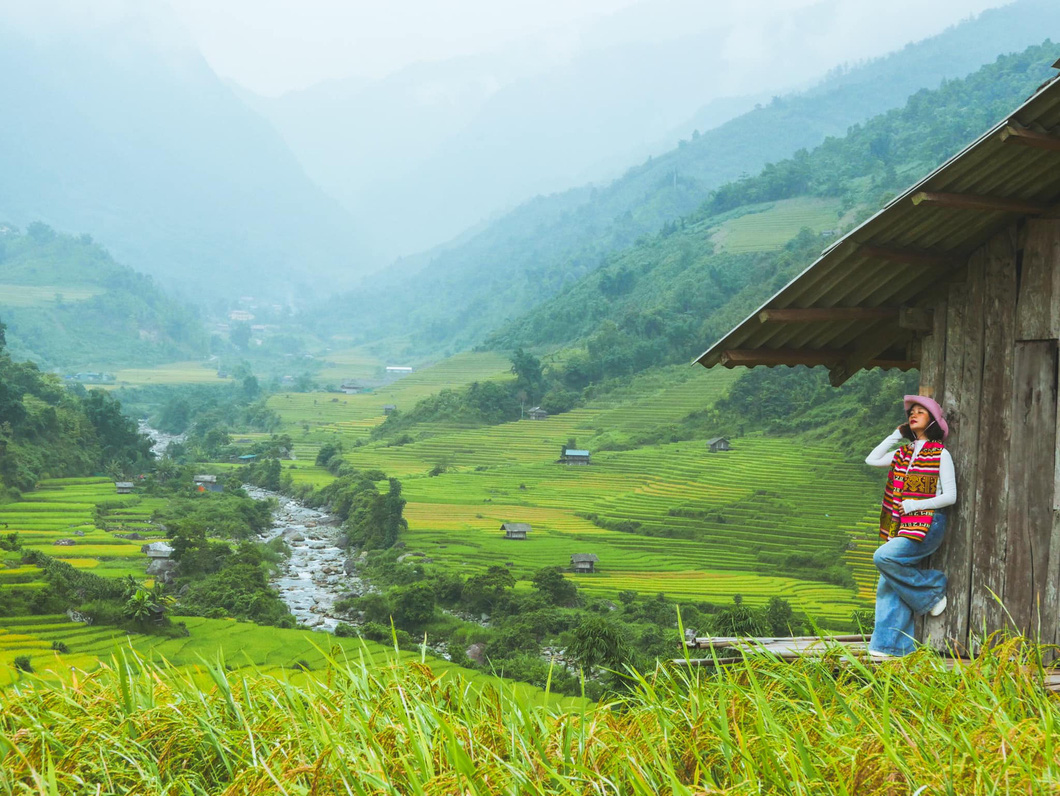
<point x="729" y="507"/>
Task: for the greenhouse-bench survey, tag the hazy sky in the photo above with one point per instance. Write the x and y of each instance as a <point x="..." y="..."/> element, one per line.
<point x="273" y="46"/>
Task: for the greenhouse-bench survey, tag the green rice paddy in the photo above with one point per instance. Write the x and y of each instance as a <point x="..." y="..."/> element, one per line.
<point x="776" y="224"/>
<point x="670" y="517"/>
<point x="39" y="295"/>
<point x="60" y="520"/>
<point x="193" y="372"/>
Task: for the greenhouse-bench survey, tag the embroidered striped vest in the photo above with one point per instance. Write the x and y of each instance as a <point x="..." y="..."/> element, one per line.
<point x="905" y="482"/>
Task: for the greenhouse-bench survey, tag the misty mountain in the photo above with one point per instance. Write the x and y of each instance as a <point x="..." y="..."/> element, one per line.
<point x="671" y="295"/>
<point x="66" y="302"/>
<point x="134" y="139"/>
<point x="439" y="147"/>
<point x="501" y="269"/>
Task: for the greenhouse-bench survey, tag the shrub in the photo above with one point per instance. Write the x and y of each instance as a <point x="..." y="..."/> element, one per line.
<point x="60" y="647"/>
<point x="23" y="663"/>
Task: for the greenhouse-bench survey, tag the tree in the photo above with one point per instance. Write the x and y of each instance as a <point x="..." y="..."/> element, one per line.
<point x="555" y="588"/>
<point x="781" y="618"/>
<point x="740" y="620"/>
<point x="414" y="606"/>
<point x="240" y="335"/>
<point x="487" y="591"/>
<point x="528" y="375"/>
<point x="251" y="387"/>
<point x="598" y="642"/>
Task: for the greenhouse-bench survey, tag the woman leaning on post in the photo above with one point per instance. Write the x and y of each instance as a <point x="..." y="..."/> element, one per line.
<point x="920" y="486"/>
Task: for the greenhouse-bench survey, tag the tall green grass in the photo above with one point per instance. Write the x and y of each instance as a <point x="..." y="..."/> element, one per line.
<point x="912" y="726"/>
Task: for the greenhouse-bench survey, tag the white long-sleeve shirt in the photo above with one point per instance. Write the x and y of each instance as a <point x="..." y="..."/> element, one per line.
<point x="946" y="491"/>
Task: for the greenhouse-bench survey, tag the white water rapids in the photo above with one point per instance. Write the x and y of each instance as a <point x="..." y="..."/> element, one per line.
<point x="316" y="574"/>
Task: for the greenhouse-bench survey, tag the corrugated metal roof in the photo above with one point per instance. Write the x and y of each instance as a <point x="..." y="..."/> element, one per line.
<point x="516" y="526"/>
<point x="572" y="452"/>
<point x="916" y="241"/>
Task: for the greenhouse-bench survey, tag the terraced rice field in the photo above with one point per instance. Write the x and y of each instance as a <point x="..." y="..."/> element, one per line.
<point x="173" y="373"/>
<point x="351" y="364"/>
<point x="38" y="295"/>
<point x="695" y="523"/>
<point x="314" y="418"/>
<point x="65" y="510"/>
<point x="777" y="224"/>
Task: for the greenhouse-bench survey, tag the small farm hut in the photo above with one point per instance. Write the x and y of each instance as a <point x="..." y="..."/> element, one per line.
<point x="389" y="409"/>
<point x="157" y="550"/>
<point x="583" y="562"/>
<point x="537" y="413"/>
<point x="718" y="444"/>
<point x="574" y="456"/>
<point x="515" y="530"/>
<point x="124" y="487"/>
<point x="958" y="277"/>
<point x="207" y="483"/>
<point x="350" y="388"/>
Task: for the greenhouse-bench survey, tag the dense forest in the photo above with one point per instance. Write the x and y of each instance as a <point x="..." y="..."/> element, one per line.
<point x="66" y="302"/>
<point x="48" y="430"/>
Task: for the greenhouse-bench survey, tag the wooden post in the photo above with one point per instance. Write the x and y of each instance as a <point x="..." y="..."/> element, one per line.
<point x="962" y="384"/>
<point x="993" y="482"/>
<point x="1025" y="566"/>
<point x="1038" y="308"/>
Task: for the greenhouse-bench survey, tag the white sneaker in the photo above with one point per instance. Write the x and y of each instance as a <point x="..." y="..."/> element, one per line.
<point x="879" y="656"/>
<point x="938" y="607"/>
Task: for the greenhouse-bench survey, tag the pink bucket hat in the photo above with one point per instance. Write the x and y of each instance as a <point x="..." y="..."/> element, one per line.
<point x="933" y="409"/>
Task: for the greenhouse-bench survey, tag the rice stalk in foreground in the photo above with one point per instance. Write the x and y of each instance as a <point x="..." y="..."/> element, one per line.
<point x="762" y="726"/>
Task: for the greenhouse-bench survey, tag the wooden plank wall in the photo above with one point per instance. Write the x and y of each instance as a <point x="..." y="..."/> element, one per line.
<point x="992" y="361"/>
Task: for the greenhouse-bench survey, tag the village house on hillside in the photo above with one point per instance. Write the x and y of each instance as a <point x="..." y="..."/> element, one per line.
<point x="573" y="456"/>
<point x="536" y="413"/>
<point x="959" y="277"/>
<point x="515" y="530"/>
<point x="583" y="562"/>
<point x="718" y="444"/>
<point x="124" y="487"/>
<point x="389" y="409"/>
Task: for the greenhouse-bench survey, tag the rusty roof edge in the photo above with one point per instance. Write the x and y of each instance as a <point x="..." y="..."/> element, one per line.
<point x="714" y="351"/>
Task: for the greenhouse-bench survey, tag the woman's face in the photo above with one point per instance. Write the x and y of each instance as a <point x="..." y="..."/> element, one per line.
<point x="919" y="419"/>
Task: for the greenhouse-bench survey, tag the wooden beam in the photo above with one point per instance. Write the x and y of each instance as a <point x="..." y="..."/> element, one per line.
<point x="750" y="357"/>
<point x="916" y="319"/>
<point x="824" y="314"/>
<point x="1014" y="134"/>
<point x="869" y="348"/>
<point x="909" y="256"/>
<point x="967" y="201"/>
<point x="753" y="357"/>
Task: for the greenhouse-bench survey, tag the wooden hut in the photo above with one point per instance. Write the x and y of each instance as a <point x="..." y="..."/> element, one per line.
<point x="718" y="444"/>
<point x="516" y="530"/>
<point x="389" y="409"/>
<point x="537" y="413"/>
<point x="958" y="277"/>
<point x="124" y="487"/>
<point x="583" y="562"/>
<point x="574" y="456"/>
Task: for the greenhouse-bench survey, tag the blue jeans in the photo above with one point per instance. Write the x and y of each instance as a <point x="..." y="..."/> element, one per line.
<point x="905" y="591"/>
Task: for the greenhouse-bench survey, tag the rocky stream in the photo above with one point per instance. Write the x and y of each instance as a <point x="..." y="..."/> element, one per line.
<point x="317" y="573"/>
